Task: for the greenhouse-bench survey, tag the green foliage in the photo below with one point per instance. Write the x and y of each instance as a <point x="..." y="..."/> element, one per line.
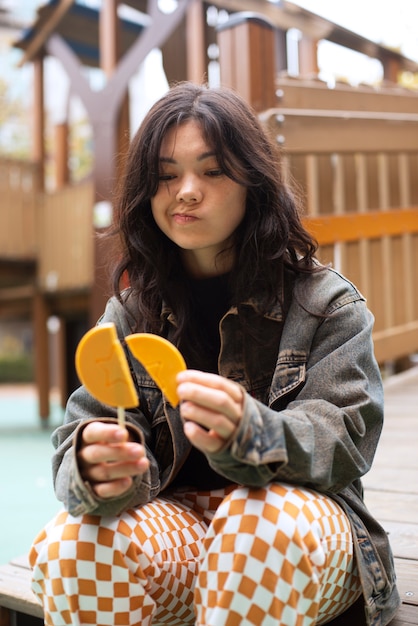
<point x="81" y="149"/>
<point x="16" y="369"/>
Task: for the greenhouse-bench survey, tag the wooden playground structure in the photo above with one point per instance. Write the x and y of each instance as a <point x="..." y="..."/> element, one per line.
<point x="352" y="150"/>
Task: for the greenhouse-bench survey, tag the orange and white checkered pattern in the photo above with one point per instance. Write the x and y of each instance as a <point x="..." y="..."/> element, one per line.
<point x="280" y="555"/>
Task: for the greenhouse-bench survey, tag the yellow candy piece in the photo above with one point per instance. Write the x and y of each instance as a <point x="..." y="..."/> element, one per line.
<point x="103" y="369"/>
<point x="161" y="359"/>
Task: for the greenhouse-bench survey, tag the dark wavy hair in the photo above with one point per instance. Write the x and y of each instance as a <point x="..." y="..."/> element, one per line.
<point x="270" y="240"/>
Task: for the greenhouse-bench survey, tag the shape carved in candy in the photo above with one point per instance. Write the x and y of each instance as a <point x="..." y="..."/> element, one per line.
<point x="161" y="359"/>
<point x="103" y="369"/>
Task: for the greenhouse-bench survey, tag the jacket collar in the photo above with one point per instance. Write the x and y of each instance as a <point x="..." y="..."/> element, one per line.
<point x="273" y="312"/>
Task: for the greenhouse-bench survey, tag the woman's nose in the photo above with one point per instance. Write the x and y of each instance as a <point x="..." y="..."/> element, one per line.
<point x="189" y="191"/>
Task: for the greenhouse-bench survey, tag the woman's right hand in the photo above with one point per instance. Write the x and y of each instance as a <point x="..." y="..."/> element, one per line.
<point x="108" y="459"/>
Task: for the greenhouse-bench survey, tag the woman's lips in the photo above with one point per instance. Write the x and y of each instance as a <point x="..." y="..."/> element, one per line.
<point x="184" y="218"/>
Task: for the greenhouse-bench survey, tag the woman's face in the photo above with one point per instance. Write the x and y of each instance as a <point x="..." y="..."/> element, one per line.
<point x="196" y="205"/>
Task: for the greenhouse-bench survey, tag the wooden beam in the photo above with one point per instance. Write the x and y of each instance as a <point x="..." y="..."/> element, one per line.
<point x="311" y="131"/>
<point x="395" y="342"/>
<point x="40" y="37"/>
<point x="357" y="226"/>
<point x="23" y="292"/>
<point x="314" y="95"/>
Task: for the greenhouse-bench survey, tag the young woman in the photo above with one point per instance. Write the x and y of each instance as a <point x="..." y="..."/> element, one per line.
<point x="244" y="505"/>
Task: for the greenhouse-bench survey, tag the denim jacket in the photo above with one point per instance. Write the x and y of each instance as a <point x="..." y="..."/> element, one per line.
<point x="313" y="414"/>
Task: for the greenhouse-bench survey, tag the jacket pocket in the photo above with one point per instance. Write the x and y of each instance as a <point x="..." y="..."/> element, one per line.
<point x="288" y="378"/>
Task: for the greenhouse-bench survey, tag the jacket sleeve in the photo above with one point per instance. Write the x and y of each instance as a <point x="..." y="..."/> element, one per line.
<point x="326" y="413"/>
<point x="76" y="494"/>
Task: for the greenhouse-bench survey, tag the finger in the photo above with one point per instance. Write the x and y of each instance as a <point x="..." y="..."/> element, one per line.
<point x="207" y="442"/>
<point x="108" y="472"/>
<point x="112" y="489"/>
<point x="96" y="432"/>
<point x="214" y="399"/>
<point x="220" y="423"/>
<point x="213" y="381"/>
<point x="109" y="453"/>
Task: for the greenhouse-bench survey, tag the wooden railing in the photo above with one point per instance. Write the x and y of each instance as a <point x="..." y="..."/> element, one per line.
<point x="53" y="229"/>
<point x="19" y="182"/>
<point x="66" y="239"/>
<point x="358" y="171"/>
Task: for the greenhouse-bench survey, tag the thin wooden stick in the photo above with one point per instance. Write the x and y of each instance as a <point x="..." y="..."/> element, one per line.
<point x="121" y="416"/>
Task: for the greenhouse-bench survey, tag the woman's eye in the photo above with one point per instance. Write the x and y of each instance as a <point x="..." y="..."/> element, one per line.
<point x="215" y="172"/>
<point x="163" y="177"/>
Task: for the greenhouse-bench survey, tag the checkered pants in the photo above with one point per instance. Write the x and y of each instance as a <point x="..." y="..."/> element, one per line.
<point x="279" y="555"/>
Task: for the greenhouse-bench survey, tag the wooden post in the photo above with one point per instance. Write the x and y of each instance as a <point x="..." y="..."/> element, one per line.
<point x="62" y="174"/>
<point x="391" y="69"/>
<point x="106" y="169"/>
<point x="40" y="318"/>
<point x="195" y="41"/>
<point x="281" y="50"/>
<point x="38" y="149"/>
<point x="109" y="32"/>
<point x="62" y="350"/>
<point x="109" y="36"/>
<point x="308" y="56"/>
<point x="6" y="617"/>
<point x="39" y="310"/>
<point x="247" y="58"/>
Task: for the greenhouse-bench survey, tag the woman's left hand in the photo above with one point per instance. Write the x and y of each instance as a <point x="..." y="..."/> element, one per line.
<point x="211" y="407"/>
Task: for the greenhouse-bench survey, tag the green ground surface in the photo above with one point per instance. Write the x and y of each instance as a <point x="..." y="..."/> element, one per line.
<point x="27" y="499"/>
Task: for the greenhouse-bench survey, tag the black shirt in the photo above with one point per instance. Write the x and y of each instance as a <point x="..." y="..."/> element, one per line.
<point x="211" y="300"/>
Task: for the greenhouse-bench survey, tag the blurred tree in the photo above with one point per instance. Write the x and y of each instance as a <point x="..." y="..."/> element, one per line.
<point x="410" y="80"/>
<point x="81" y="149"/>
<point x="14" y="120"/>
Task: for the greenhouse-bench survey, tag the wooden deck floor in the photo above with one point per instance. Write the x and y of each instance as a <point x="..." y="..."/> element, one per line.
<point x="391" y="486"/>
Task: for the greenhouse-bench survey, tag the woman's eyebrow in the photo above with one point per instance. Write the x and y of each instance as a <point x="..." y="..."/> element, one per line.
<point x="201" y="157"/>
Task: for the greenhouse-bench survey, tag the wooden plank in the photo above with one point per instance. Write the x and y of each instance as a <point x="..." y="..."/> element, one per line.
<point x="408" y="271"/>
<point x="407" y="572"/>
<point x="345" y="131"/>
<point x="404" y="457"/>
<point x="406" y="616"/>
<point x="393" y="343"/>
<point x="413" y="178"/>
<point x="66" y="262"/>
<point x="392" y="479"/>
<point x="15" y="591"/>
<point x="391" y="487"/>
<point x="404" y="540"/>
<point x="329" y="229"/>
<point x="383" y="505"/>
<point x="326" y="182"/>
<point x="299" y="93"/>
